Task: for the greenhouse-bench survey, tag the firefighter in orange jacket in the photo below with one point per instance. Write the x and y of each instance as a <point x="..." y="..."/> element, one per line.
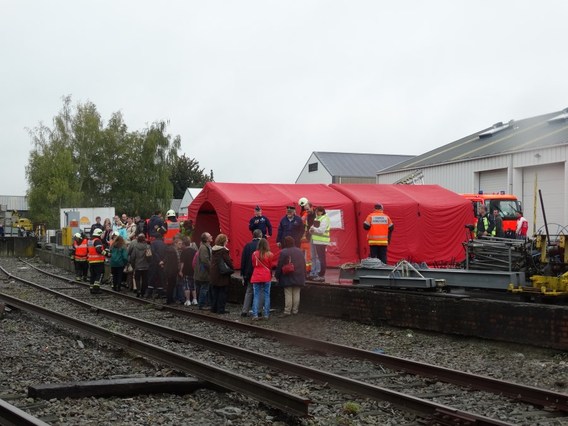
<point x="308" y="217"/>
<point x="379" y="227"/>
<point x="79" y="256"/>
<point x="96" y="254"/>
<point x="172" y="226"/>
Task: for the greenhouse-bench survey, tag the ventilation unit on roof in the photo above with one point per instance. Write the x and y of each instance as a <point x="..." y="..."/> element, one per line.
<point x="496" y="128"/>
<point x="563" y="116"/>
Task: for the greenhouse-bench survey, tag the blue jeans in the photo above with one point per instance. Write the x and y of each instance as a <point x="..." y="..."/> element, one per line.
<point x="257" y="288"/>
<point x="203" y="289"/>
<point x="315" y="261"/>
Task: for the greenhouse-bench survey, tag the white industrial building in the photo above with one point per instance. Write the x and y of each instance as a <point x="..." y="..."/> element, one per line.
<point x="342" y="167"/>
<point x="517" y="157"/>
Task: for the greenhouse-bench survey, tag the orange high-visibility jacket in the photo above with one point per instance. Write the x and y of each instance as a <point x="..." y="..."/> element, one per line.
<point x="80" y="253"/>
<point x="378" y="234"/>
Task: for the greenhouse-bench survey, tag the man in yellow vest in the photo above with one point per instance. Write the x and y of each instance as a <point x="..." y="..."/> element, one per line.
<point x="320" y="232"/>
<point x="379" y="227"/>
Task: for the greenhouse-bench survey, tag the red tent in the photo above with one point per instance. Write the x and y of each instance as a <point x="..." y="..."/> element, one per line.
<point x="429" y="221"/>
<point x="227" y="208"/>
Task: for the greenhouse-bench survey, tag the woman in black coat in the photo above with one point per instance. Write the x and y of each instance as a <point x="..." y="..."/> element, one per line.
<point x="294" y="281"/>
<point x="219" y="281"/>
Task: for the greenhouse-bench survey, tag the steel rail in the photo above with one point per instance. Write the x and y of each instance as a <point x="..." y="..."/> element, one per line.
<point x="406" y="402"/>
<point x="13" y="416"/>
<point x="514" y="391"/>
<point x="277" y="398"/>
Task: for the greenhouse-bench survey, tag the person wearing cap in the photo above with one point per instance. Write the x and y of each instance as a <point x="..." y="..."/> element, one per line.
<point x="259" y="221"/>
<point x="379" y="229"/>
<point x="290" y="225"/>
<point x="79" y="256"/>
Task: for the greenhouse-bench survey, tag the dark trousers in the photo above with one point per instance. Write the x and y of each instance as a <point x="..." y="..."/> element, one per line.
<point x="116" y="272"/>
<point x="379" y="252"/>
<point x="141" y="277"/>
<point x="81" y="269"/>
<point x="97" y="271"/>
<point x="171" y="288"/>
<point x="218" y="299"/>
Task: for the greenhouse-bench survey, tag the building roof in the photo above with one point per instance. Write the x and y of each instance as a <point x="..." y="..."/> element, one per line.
<point x="357" y="165"/>
<point x="502" y="138"/>
<point x="14" y="202"/>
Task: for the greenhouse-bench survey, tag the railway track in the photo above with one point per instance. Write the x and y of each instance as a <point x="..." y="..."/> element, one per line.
<point x="421" y="391"/>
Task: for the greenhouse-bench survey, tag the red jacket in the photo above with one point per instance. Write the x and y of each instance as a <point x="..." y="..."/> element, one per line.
<point x="262" y="268"/>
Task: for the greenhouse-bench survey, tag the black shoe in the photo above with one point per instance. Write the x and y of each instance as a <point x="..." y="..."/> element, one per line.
<point x="244" y="314"/>
<point x="224" y="312"/>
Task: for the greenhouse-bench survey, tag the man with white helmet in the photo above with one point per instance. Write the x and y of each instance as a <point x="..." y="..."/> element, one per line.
<point x="308" y="217"/>
<point x="96" y="254"/>
<point x="79" y="256"/>
<point x="172" y="227"/>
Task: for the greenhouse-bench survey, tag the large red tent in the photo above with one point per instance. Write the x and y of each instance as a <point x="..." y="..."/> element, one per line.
<point x="429" y="220"/>
<point x="227" y="207"/>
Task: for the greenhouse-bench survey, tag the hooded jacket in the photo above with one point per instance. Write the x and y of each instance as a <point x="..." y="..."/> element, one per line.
<point x="220" y="253"/>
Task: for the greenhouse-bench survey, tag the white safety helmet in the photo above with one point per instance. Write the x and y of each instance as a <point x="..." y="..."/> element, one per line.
<point x="77" y="236"/>
<point x="97" y="232"/>
<point x="171" y="213"/>
<point x="303" y="202"/>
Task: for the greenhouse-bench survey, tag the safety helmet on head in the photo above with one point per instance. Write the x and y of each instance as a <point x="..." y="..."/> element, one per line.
<point x="303" y="202"/>
<point x="97" y="232"/>
<point x="171" y="213"/>
<point x="78" y="236"/>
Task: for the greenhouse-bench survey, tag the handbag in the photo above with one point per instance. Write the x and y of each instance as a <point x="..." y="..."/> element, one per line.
<point x="128" y="268"/>
<point x="288" y="268"/>
<point x="224" y="268"/>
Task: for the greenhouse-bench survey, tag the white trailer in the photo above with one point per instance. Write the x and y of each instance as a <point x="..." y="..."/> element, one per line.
<point x="80" y="219"/>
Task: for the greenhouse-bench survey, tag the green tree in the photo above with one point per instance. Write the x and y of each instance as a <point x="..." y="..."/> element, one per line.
<point x="81" y="162"/>
<point x="187" y="174"/>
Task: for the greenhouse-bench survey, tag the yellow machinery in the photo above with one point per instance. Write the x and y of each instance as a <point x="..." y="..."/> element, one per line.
<point x="553" y="258"/>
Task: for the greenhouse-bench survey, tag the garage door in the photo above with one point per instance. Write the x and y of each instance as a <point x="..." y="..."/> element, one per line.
<point x="550" y="180"/>
<point x="493" y="181"/>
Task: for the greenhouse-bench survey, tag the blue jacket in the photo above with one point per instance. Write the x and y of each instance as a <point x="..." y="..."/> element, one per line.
<point x="262" y="223"/>
<point x="293" y="228"/>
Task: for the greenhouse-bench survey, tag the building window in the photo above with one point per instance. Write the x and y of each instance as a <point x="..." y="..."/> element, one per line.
<point x="313" y="167"/>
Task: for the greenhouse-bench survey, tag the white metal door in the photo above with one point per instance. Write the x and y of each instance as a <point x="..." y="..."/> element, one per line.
<point x="550" y="180"/>
<point x="493" y="181"/>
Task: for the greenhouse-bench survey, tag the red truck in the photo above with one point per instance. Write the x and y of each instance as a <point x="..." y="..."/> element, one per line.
<point x="507" y="204"/>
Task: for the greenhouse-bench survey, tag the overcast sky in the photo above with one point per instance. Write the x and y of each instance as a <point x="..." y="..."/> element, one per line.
<point x="253" y="87"/>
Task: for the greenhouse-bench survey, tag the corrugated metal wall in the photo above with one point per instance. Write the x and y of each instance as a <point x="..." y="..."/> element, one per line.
<point x="513" y="173"/>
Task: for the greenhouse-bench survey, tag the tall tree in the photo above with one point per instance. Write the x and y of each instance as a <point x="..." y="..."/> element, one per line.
<point x="187" y="174"/>
<point x="80" y="162"/>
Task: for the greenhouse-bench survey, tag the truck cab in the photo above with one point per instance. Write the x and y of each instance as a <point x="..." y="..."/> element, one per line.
<point x="507" y="204"/>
